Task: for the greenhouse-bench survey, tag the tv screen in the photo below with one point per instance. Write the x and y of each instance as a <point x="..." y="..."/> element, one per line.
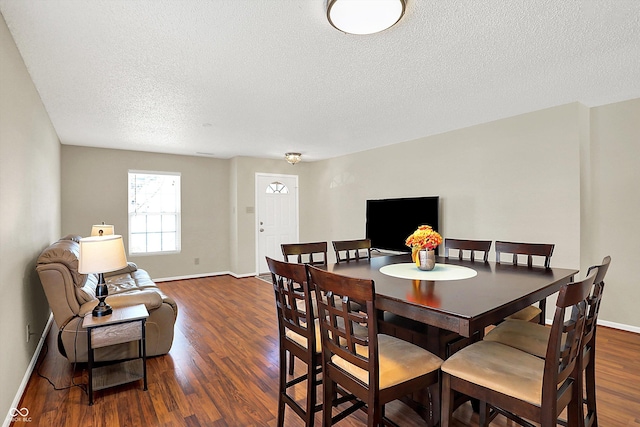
<point x="391" y="221"/>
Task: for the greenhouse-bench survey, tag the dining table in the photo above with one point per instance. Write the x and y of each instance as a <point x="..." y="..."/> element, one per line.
<point x="455" y="302"/>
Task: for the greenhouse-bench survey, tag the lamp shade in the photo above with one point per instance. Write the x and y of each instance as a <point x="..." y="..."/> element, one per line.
<point x="364" y="16"/>
<point x="101" y="254"/>
<point x="107" y="230"/>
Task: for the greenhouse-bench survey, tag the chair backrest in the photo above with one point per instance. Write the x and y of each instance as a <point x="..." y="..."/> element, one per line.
<point x="338" y="319"/>
<point x="304" y="252"/>
<point x="352" y="250"/>
<point x="467" y="245"/>
<point x="544" y="250"/>
<point x="565" y="344"/>
<point x="293" y="300"/>
<point x="594" y="299"/>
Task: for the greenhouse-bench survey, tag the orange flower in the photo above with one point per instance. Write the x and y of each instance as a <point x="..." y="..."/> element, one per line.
<point x="424" y="237"/>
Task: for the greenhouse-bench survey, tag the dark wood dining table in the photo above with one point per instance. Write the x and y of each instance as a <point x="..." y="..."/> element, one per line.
<point x="464" y="306"/>
<point x="454" y="312"/>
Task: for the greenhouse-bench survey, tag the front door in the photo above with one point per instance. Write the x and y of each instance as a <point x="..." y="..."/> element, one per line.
<point x="277" y="216"/>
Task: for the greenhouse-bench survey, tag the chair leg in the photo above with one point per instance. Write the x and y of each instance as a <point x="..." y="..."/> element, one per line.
<point x="446" y="404"/>
<point x="542" y="306"/>
<point x="329" y="388"/>
<point x="282" y="387"/>
<point x="311" y="394"/>
<point x="574" y="409"/>
<point x="374" y="416"/>
<point x="483" y="420"/>
<point x="591" y="418"/>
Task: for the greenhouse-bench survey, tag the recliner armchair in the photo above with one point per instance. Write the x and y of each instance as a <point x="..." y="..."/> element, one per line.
<point x="71" y="296"/>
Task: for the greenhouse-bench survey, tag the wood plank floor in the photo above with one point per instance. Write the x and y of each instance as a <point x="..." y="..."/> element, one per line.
<point x="223" y="371"/>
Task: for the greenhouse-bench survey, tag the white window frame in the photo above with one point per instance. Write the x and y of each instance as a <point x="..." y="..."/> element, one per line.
<point x="131" y="214"/>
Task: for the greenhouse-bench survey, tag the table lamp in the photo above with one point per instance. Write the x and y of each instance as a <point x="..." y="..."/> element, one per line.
<point x="99" y="255"/>
<point x="102" y="230"/>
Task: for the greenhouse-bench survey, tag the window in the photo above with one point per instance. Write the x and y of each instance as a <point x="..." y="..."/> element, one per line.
<point x="154" y="212"/>
<point x="277" y="187"/>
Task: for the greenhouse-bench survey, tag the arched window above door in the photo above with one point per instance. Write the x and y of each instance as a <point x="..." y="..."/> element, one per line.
<point x="277" y="187"/>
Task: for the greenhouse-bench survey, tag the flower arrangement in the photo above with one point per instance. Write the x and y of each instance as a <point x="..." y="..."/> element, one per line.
<point x="425" y="238"/>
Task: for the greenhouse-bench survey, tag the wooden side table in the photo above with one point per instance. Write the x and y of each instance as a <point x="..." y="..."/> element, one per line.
<point x="124" y="325"/>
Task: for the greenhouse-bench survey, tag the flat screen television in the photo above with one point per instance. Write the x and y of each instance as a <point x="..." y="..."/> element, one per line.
<point x="391" y="221"/>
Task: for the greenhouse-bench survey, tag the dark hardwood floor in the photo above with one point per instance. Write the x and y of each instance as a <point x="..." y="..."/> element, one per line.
<point x="223" y="371"/>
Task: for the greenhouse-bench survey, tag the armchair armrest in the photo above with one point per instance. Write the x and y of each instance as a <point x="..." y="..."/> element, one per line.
<point x="151" y="300"/>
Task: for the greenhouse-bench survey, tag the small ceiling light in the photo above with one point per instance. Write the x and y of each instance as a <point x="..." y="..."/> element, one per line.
<point x="293" y="158"/>
<point x="364" y="16"/>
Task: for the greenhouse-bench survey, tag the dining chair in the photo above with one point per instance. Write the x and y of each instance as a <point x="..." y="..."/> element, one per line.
<point x="528" y="250"/>
<point x="533" y="339"/>
<point x="463" y="245"/>
<point x="298" y="332"/>
<point x="304" y="252"/>
<point x="371" y="369"/>
<point x="520" y="385"/>
<point x="352" y="250"/>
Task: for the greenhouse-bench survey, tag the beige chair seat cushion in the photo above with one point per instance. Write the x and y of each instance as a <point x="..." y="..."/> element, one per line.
<point x="302" y="341"/>
<point x="526" y="336"/>
<point x="400" y="361"/>
<point x="527" y="314"/>
<point x="359" y="331"/>
<point x="499" y="367"/>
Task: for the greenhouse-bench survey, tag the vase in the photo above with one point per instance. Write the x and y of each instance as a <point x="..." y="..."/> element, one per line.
<point x="427" y="259"/>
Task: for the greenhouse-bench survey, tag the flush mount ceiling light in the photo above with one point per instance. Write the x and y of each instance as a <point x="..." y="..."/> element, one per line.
<point x="293" y="158"/>
<point x="364" y="16"/>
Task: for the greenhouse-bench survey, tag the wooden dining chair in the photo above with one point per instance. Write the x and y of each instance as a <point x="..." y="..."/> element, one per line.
<point x="520" y="385"/>
<point x="352" y="250"/>
<point x="528" y="250"/>
<point x="299" y="336"/>
<point x="371" y="369"/>
<point x="533" y="339"/>
<point x="305" y="253"/>
<point x="472" y="246"/>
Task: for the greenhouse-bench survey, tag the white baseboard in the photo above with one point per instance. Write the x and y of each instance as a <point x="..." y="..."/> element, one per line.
<point x="620" y="326"/>
<point x="607" y="324"/>
<point x="200" y="276"/>
<point x="191" y="276"/>
<point x="30" y="368"/>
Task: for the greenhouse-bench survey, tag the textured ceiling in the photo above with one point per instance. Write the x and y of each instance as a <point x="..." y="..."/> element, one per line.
<point x="262" y="77"/>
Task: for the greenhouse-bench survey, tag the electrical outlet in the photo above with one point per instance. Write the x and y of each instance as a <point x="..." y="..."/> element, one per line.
<point x="28" y="332"/>
<point x="196" y="261"/>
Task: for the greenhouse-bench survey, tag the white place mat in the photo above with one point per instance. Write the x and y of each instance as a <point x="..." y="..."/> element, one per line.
<point x="439" y="272"/>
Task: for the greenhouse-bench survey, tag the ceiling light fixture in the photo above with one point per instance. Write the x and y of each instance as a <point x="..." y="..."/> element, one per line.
<point x="364" y="16"/>
<point x="293" y="158"/>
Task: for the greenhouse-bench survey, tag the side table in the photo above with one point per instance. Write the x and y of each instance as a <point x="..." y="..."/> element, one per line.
<point x="124" y="325"/>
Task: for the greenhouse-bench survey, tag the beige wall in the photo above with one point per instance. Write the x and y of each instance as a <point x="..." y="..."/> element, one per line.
<point x="218" y="196"/>
<point x="613" y="207"/>
<point x="29" y="213"/>
<point x="94" y="189"/>
<point x="514" y="179"/>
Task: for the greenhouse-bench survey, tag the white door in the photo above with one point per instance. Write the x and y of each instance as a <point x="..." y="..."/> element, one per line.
<point x="277" y="216"/>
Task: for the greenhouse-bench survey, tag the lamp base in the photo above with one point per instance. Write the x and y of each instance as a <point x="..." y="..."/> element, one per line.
<point x="102" y="310"/>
